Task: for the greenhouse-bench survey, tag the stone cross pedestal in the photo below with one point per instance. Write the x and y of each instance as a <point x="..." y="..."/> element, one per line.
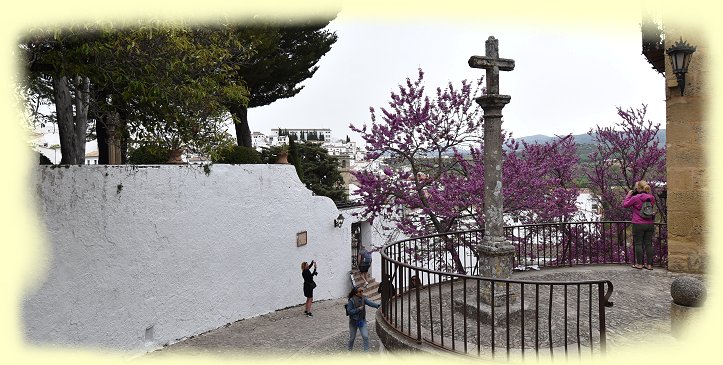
<point x="495" y="253"/>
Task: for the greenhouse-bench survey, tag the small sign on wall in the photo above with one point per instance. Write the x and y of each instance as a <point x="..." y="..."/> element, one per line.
<point x="301" y="239"/>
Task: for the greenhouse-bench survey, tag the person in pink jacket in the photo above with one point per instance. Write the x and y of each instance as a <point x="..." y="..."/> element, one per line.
<point x="643" y="228"/>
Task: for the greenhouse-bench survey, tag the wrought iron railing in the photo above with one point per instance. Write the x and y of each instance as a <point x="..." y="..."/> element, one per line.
<point x="440" y="301"/>
<point x="348" y="204"/>
<point x="581" y="243"/>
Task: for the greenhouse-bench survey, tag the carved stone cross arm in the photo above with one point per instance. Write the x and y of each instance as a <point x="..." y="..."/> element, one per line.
<point x="504" y="64"/>
<point x="493" y="64"/>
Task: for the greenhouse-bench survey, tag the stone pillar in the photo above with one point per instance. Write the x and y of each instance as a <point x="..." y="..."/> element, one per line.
<point x="687" y="132"/>
<point x="495" y="254"/>
<point x="492" y="106"/>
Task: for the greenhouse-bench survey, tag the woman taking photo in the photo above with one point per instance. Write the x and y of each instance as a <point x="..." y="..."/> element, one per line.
<point x="309" y="285"/>
<point x="643" y="226"/>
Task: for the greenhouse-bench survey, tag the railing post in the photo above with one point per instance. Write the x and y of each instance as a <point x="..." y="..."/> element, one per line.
<point x="419" y="307"/>
<point x="601" y="316"/>
<point x="387" y="286"/>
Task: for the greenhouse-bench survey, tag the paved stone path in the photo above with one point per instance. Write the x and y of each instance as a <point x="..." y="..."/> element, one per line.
<point x="641" y="313"/>
<point x="286" y="333"/>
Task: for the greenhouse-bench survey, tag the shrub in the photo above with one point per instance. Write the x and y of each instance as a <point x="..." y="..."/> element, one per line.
<point x="148" y="155"/>
<point x="236" y="155"/>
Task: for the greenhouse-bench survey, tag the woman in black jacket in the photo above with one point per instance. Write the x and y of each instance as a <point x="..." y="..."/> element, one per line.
<point x="309" y="284"/>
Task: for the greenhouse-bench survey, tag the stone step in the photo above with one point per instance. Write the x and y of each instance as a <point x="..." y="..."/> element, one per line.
<point x="371" y="284"/>
<point x="371" y="290"/>
<point x="370" y="280"/>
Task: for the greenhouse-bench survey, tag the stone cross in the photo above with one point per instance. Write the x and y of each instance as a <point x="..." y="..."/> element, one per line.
<point x="495" y="253"/>
<point x="493" y="64"/>
<point x="492" y="104"/>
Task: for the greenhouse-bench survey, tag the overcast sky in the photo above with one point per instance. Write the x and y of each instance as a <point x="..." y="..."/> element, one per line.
<point x="566" y="80"/>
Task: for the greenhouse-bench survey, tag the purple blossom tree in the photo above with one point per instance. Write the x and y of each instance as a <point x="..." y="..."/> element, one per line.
<point x="538" y="180"/>
<point x="626" y="153"/>
<point x="429" y="186"/>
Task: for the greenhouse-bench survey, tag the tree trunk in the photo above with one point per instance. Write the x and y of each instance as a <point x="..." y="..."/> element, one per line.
<point x="102" y="125"/>
<point x="82" y="100"/>
<point x="121" y="134"/>
<point x="64" y="112"/>
<point x="72" y="126"/>
<point x="241" y="122"/>
<point x="101" y="133"/>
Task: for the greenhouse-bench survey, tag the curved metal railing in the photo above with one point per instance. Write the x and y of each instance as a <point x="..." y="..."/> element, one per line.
<point x="581" y="243"/>
<point x="437" y="297"/>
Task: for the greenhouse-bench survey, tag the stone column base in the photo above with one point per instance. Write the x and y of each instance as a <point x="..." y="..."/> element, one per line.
<point x="495" y="262"/>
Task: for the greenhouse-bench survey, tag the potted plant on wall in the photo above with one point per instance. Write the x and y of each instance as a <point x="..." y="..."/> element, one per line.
<point x="283" y="155"/>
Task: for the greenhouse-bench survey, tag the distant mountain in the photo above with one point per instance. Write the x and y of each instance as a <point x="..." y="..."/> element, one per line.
<point x="579" y="138"/>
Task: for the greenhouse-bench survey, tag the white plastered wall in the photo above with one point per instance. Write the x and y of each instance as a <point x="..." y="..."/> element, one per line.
<point x="138" y="257"/>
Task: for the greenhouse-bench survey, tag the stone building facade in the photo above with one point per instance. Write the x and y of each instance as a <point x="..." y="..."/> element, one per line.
<point x="687" y="126"/>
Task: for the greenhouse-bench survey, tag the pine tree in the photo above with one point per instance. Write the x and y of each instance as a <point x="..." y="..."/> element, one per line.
<point x="294" y="157"/>
<point x="287" y="56"/>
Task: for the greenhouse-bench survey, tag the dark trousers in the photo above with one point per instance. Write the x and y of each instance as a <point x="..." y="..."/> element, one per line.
<point x="643" y="241"/>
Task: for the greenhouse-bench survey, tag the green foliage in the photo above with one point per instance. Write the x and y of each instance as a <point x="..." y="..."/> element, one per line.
<point x="286" y="55"/>
<point x="168" y="81"/>
<point x="233" y="154"/>
<point x="319" y="171"/>
<point x="294" y="158"/>
<point x="148" y="155"/>
<point x="174" y="84"/>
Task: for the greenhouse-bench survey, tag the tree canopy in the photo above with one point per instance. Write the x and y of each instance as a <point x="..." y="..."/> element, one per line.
<point x="625" y="153"/>
<point x="287" y="56"/>
<point x="316" y="169"/>
<point x="168" y="84"/>
<point x="158" y="83"/>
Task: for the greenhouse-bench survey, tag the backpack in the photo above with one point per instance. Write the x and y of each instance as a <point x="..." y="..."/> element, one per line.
<point x="346" y="309"/>
<point x="366" y="258"/>
<point x="647" y="210"/>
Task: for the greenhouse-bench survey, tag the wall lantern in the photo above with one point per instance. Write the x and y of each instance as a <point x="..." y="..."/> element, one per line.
<point x="339" y="221"/>
<point x="679" y="55"/>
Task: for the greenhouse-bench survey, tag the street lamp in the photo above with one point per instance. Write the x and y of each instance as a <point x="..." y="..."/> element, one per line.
<point x="339" y="221"/>
<point x="679" y="55"/>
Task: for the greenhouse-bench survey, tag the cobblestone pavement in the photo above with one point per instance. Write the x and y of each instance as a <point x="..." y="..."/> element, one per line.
<point x="286" y="333"/>
<point x="641" y="313"/>
<point x="641" y="310"/>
